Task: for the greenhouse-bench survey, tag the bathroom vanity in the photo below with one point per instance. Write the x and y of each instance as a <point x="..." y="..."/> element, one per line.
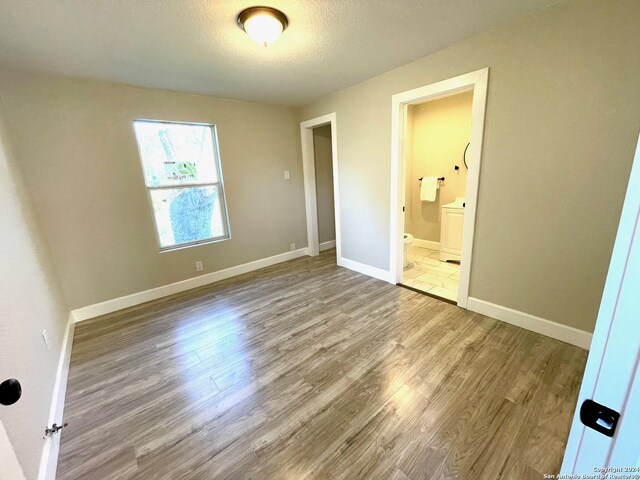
<point x="452" y="222"/>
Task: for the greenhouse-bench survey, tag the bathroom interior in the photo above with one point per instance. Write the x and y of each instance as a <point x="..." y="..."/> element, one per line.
<point x="436" y="163"/>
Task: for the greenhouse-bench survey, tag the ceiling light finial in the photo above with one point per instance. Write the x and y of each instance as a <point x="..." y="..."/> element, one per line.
<point x="263" y="24"/>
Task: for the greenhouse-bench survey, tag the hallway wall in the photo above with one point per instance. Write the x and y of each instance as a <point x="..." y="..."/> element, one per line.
<point x="324" y="183"/>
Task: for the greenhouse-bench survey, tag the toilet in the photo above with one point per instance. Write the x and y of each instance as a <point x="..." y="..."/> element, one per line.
<point x="408" y="240"/>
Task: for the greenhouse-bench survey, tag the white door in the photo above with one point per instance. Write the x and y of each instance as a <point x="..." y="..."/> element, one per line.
<point x="612" y="378"/>
<point x="9" y="466"/>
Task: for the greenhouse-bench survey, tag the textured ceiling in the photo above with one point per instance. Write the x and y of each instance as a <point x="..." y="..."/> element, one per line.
<point x="196" y="46"/>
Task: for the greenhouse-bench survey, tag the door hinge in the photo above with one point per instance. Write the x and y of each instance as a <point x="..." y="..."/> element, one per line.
<point x="53" y="429"/>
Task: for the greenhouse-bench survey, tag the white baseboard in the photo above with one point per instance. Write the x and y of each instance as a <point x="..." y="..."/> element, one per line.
<point x="127" y="301"/>
<point x="365" y="269"/>
<point x="418" y="242"/>
<point x="574" y="336"/>
<point x="49" y="458"/>
<point x="327" y="245"/>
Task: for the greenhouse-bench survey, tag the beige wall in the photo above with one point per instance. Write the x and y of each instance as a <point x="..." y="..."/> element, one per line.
<point x="441" y="131"/>
<point x="324" y="183"/>
<point x="31" y="301"/>
<point x="78" y="153"/>
<point x="562" y="122"/>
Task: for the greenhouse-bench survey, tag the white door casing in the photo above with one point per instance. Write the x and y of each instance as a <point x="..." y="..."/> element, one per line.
<point x="478" y="82"/>
<point x="309" y="172"/>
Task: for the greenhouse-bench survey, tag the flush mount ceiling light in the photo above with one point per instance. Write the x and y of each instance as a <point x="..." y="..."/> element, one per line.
<point x="263" y="24"/>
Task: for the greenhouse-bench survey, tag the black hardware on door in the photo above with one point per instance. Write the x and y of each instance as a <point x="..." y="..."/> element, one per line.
<point x="602" y="419"/>
<point x="53" y="429"/>
<point x="10" y="391"/>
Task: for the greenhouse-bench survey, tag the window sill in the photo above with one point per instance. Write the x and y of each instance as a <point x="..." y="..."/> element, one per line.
<point x="198" y="243"/>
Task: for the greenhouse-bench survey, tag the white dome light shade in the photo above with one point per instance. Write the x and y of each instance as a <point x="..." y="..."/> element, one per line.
<point x="263" y="24"/>
<point x="263" y="29"/>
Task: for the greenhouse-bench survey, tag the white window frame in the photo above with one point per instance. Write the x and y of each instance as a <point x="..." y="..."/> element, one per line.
<point x="219" y="184"/>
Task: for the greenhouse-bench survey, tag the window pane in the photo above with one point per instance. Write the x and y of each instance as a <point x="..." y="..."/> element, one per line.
<point x="186" y="215"/>
<point x="176" y="153"/>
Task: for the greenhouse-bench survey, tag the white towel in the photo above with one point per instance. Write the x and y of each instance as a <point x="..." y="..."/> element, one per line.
<point x="428" y="189"/>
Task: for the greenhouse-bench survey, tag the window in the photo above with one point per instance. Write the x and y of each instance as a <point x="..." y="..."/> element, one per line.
<point x="182" y="174"/>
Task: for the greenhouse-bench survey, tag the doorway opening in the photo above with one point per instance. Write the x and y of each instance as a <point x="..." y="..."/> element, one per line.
<point x="437" y="133"/>
<point x="435" y="145"/>
<point x="320" y="168"/>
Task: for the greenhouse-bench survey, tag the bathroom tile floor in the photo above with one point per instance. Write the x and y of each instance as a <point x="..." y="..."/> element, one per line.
<point x="427" y="273"/>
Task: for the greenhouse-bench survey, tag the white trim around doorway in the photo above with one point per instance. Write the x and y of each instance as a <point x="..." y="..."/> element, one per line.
<point x="478" y="82"/>
<point x="309" y="172"/>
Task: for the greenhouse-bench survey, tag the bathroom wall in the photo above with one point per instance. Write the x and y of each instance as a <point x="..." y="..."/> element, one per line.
<point x="440" y="132"/>
<point x="324" y="183"/>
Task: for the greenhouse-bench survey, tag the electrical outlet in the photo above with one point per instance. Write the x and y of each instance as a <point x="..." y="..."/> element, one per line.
<point x="293" y="247"/>
<point x="45" y="337"/>
<point x="287" y="175"/>
<point x="199" y="266"/>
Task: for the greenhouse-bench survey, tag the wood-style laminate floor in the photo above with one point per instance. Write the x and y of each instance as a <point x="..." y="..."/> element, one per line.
<point x="306" y="370"/>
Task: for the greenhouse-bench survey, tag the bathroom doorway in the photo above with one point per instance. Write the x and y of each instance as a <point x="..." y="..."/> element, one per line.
<point x="437" y="135"/>
<point x="435" y="148"/>
<point x="320" y="168"/>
